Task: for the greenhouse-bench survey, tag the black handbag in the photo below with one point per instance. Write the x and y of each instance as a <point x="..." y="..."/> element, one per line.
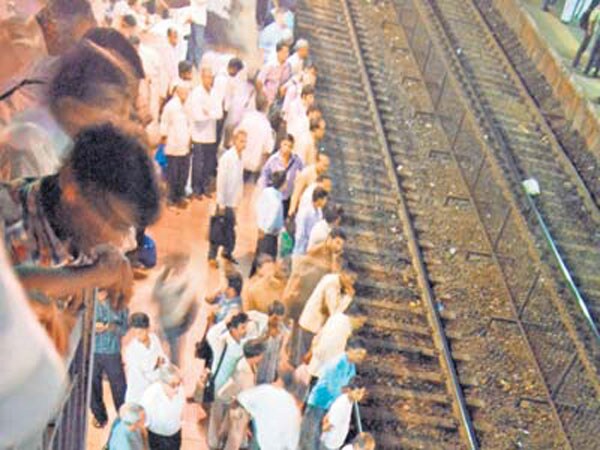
<point x="209" y="387"/>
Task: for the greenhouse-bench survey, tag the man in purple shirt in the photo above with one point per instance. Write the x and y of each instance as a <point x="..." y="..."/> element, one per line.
<point x="274" y="75"/>
<point x="284" y="160"/>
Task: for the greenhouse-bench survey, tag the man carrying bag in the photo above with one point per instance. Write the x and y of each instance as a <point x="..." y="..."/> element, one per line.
<point x="230" y="187"/>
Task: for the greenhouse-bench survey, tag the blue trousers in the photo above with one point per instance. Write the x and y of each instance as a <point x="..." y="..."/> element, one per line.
<point x="195" y="44"/>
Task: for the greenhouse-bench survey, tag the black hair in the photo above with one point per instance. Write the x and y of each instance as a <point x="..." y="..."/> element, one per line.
<point x="309" y="89"/>
<point x="235" y="63"/>
<point x="171" y="30"/>
<point x="139" y="320"/>
<point x="356" y="343"/>
<point x="235" y="281"/>
<point x="311" y="66"/>
<point x="111" y="39"/>
<point x="312" y="108"/>
<point x="134" y="40"/>
<point x="81" y="71"/>
<point x="262" y="259"/>
<point x="323" y="176"/>
<point x="105" y="159"/>
<point x="237" y="320"/>
<point x="319" y="193"/>
<point x="276" y="308"/>
<point x="278" y="178"/>
<point x="129" y="20"/>
<point x="280" y="46"/>
<point x="184" y="67"/>
<point x="253" y="348"/>
<point x="289" y="137"/>
<point x="332" y="212"/>
<point x="337" y="233"/>
<point x="315" y="124"/>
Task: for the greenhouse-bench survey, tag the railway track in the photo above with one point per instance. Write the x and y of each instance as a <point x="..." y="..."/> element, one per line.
<point x="436" y="226"/>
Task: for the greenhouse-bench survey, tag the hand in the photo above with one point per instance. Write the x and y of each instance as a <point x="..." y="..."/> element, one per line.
<point x="326" y="424"/>
<point x="101" y="327"/>
<point x="113" y="271"/>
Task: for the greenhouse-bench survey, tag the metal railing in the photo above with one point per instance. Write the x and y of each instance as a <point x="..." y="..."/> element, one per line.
<point x="68" y="429"/>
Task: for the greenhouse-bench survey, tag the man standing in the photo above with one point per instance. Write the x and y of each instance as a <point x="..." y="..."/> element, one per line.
<point x="176" y="137"/>
<point x="230" y="184"/>
<point x="111" y="326"/>
<point x="163" y="402"/>
<point x="594" y="30"/>
<point x="266" y="286"/>
<point x="336" y="375"/>
<point x="129" y="430"/>
<point x="260" y="139"/>
<point x="300" y="56"/>
<point x="197" y="21"/>
<point x="275" y="416"/>
<point x="274" y="75"/>
<point x="203" y="111"/>
<point x="307" y="218"/>
<point x="276" y="356"/>
<point x="144" y="356"/>
<point x="269" y="217"/>
<point x="307" y="178"/>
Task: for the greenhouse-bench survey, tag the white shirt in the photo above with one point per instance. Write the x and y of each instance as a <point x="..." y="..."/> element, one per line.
<point x="339" y="416"/>
<point x="230" y="179"/>
<point x="298" y="126"/>
<point x="220" y="7"/>
<point x="140" y="366"/>
<point x="203" y="111"/>
<point x="306" y="197"/>
<point x="326" y="296"/>
<point x="275" y="414"/>
<point x="269" y="211"/>
<point x="174" y="125"/>
<point x="296" y="63"/>
<point x="330" y="342"/>
<point x="260" y="139"/>
<point x="163" y="414"/>
<point x="319" y="233"/>
<point x="198" y="11"/>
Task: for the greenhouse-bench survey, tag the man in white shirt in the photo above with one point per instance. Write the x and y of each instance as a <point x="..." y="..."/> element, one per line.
<point x="332" y="218"/>
<point x="300" y="56"/>
<point x="171" y="60"/>
<point x="197" y="21"/>
<point x="307" y="218"/>
<point x="275" y="415"/>
<point x="336" y="423"/>
<point x="260" y="139"/>
<point x="298" y="122"/>
<point x="143" y="358"/>
<point x="203" y="112"/>
<point x="163" y="402"/>
<point x="302" y="195"/>
<point x="229" y="79"/>
<point x="175" y="135"/>
<point x="230" y="184"/>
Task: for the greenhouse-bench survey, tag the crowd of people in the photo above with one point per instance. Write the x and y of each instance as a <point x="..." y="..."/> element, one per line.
<point x="152" y="105"/>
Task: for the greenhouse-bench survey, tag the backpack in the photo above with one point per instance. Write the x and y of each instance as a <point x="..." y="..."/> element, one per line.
<point x="147" y="252"/>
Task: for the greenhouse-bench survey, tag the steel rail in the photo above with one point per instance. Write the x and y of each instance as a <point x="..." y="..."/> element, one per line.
<point x="441" y="341"/>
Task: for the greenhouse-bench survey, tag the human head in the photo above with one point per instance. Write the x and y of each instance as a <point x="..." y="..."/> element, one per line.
<point x="347" y="280"/>
<point x="133" y="416"/>
<point x="91" y="85"/>
<point x="324" y="181"/>
<point x="319" y="197"/>
<point x="182" y="90"/>
<point x="279" y="16"/>
<point x="286" y="146"/>
<point x="309" y="75"/>
<point x="108" y="185"/>
<point x="278" y="179"/>
<point x="240" y="138"/>
<point x="336" y="240"/>
<point x="313" y="113"/>
<point x="170" y="377"/>
<point x="276" y="312"/>
<point x="172" y="37"/>
<point x="234" y="66"/>
<point x="184" y="68"/>
<point x="356" y="351"/>
<point x="254" y="350"/>
<point x="234" y="284"/>
<point x="128" y="25"/>
<point x="317" y="128"/>
<point x="332" y="214"/>
<point x="112" y="40"/>
<point x="322" y="164"/>
<point x="140" y="324"/>
<point x="308" y="95"/>
<point x="364" y="441"/>
<point x="265" y="266"/>
<point x="283" y="51"/>
<point x="262" y="103"/>
<point x="237" y="326"/>
<point x="302" y="48"/>
<point x="207" y="77"/>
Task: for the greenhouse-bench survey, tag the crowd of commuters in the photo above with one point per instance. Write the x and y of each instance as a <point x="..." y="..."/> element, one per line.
<point x="126" y="122"/>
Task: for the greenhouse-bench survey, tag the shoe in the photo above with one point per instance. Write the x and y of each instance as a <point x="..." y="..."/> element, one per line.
<point x="231" y="259"/>
<point x="207" y="195"/>
<point x="212" y="263"/>
<point x="98" y="424"/>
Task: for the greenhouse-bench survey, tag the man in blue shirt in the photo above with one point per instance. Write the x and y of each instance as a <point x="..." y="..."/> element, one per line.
<point x="269" y="217"/>
<point x="111" y="326"/>
<point x="229" y="299"/>
<point x="128" y="432"/>
<point x="334" y="377"/>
